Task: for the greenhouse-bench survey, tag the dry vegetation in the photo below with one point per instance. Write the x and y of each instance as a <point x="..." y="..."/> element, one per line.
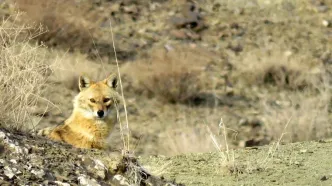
<point x="23" y="73"/>
<point x="269" y="83"/>
<point x="301" y="94"/>
<point x="279" y="68"/>
<point x="274" y="75"/>
<point x="307" y="113"/>
<point x="175" y="75"/>
<point x="67" y="23"/>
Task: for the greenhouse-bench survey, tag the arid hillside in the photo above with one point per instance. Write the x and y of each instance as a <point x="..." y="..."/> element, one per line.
<point x="198" y="77"/>
<point x="258" y="65"/>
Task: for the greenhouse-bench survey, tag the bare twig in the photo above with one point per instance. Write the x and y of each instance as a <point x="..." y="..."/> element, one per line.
<point x="122" y="94"/>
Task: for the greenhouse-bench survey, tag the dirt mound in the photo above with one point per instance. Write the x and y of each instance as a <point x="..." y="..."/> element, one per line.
<point x="29" y="160"/>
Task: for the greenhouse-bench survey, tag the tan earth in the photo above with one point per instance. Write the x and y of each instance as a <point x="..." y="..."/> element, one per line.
<point x="199" y="76"/>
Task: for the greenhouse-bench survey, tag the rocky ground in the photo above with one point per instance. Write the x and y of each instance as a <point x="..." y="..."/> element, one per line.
<point x="254" y="64"/>
<point x="31" y="160"/>
<point x="198" y="76"/>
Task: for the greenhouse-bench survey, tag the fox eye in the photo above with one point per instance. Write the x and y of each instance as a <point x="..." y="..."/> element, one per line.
<point x="93" y="100"/>
<point x="106" y="100"/>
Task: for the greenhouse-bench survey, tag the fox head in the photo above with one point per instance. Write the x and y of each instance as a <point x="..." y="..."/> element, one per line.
<point x="97" y="100"/>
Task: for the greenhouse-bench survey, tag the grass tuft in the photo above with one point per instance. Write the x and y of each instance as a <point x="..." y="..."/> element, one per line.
<point x="176" y="75"/>
<point x="23" y="73"/>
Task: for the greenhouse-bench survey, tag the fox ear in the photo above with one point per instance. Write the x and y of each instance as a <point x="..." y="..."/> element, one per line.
<point x="112" y="81"/>
<point x="84" y="82"/>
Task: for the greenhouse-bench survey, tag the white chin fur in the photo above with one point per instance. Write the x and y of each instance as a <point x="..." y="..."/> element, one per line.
<point x="90" y="115"/>
<point x="87" y="114"/>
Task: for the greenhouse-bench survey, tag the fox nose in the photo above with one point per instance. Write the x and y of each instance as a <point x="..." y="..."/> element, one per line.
<point x="100" y="113"/>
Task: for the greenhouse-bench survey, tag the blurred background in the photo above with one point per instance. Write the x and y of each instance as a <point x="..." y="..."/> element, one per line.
<point x="260" y="69"/>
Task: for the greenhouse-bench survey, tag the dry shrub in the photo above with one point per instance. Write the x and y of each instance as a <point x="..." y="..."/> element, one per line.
<point x="174" y="76"/>
<point x="68" y="67"/>
<point x="23" y="73"/>
<point x="303" y="97"/>
<point x="306" y="115"/>
<point x="282" y="69"/>
<point x="189" y="139"/>
<point x="69" y="23"/>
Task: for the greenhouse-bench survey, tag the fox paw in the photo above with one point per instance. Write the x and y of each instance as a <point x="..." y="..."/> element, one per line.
<point x="45" y="131"/>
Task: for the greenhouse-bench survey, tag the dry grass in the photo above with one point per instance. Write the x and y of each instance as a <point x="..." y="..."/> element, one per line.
<point x="23" y="73"/>
<point x="69" y="66"/>
<point x="309" y="113"/>
<point x="299" y="88"/>
<point x="174" y="76"/>
<point x="70" y="24"/>
<point x="278" y="68"/>
<point x="181" y="133"/>
<point x="188" y="139"/>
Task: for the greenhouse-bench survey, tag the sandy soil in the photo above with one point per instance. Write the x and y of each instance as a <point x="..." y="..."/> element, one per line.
<point x="306" y="163"/>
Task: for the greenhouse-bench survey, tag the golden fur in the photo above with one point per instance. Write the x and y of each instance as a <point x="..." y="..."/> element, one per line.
<point x="93" y="117"/>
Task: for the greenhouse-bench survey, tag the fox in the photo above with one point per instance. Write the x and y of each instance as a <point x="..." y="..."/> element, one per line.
<point x="93" y="117"/>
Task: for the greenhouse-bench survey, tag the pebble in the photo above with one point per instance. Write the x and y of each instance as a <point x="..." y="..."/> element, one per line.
<point x="84" y="181"/>
<point x="326" y="23"/>
<point x="2" y="135"/>
<point x="122" y="180"/>
<point x="61" y="183"/>
<point x="9" y="172"/>
<point x="39" y="173"/>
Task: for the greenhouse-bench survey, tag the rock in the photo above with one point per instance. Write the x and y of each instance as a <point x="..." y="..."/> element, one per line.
<point x="2" y="135"/>
<point x="190" y="18"/>
<point x="51" y="163"/>
<point x="9" y="172"/>
<point x="61" y="183"/>
<point x="39" y="173"/>
<point x="327" y="23"/>
<point x="132" y="9"/>
<point x="95" y="167"/>
<point x="100" y="168"/>
<point x="84" y="181"/>
<point x="121" y="180"/>
<point x="13" y="161"/>
<point x="324" y="178"/>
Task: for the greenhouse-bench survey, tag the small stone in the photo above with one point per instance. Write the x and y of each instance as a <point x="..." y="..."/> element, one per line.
<point x="324" y="178"/>
<point x="325" y="23"/>
<point x="84" y="181"/>
<point x="131" y="9"/>
<point x="99" y="165"/>
<point x="120" y="179"/>
<point x="61" y="183"/>
<point x="39" y="173"/>
<point x="2" y="135"/>
<point x="288" y="53"/>
<point x="168" y="47"/>
<point x="303" y="150"/>
<point x="100" y="169"/>
<point x="25" y="150"/>
<point x="13" y="161"/>
<point x="9" y="172"/>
